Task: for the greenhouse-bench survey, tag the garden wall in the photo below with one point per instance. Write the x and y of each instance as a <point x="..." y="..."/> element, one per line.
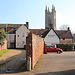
<point x="34" y="48"/>
<point x="4" y="46"/>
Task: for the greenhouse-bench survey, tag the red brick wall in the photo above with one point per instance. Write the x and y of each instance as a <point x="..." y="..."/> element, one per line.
<point x="4" y="46"/>
<point x="65" y="41"/>
<point x="34" y="48"/>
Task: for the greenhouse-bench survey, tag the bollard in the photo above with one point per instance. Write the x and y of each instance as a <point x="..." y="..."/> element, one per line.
<point x="29" y="64"/>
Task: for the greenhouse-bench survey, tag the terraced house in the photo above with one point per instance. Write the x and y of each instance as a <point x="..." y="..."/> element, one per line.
<point x="16" y="34"/>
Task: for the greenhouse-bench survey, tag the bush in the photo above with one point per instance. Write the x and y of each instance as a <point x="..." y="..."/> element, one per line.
<point x="2" y="37"/>
<point x="65" y="47"/>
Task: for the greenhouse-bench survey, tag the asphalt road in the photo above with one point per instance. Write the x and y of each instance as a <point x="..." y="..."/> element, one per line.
<point x="53" y="64"/>
<point x="13" y="59"/>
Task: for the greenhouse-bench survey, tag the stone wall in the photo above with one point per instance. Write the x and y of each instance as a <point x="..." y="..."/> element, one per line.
<point x="34" y="48"/>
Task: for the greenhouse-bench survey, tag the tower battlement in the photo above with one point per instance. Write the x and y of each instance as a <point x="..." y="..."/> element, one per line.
<point x="50" y="17"/>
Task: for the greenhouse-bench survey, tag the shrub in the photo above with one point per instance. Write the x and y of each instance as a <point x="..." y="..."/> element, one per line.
<point x="2" y="37"/>
<point x="65" y="47"/>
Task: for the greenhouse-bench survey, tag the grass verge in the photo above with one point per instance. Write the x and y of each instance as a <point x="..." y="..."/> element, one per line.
<point x="3" y="51"/>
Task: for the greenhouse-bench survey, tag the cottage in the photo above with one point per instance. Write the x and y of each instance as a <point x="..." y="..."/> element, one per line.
<point x="16" y="37"/>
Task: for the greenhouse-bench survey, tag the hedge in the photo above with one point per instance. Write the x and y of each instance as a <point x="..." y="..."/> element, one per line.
<point x="66" y="47"/>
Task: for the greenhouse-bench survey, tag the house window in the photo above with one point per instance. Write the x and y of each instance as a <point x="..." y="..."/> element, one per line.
<point x="10" y="36"/>
<point x="22" y="34"/>
<point x="18" y="44"/>
<point x="18" y="35"/>
<point x="22" y="42"/>
<point x="2" y="28"/>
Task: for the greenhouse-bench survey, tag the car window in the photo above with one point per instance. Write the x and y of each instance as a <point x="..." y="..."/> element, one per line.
<point x="51" y="47"/>
<point x="47" y="46"/>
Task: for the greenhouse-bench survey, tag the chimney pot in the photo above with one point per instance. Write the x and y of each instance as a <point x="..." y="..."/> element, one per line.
<point x="68" y="28"/>
<point x="27" y="24"/>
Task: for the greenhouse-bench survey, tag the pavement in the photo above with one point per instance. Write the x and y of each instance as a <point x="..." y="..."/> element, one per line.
<point x="52" y="64"/>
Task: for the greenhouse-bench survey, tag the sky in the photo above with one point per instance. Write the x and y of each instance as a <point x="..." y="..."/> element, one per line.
<point x="33" y="11"/>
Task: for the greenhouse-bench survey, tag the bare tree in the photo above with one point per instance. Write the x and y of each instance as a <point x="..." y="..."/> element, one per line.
<point x="64" y="27"/>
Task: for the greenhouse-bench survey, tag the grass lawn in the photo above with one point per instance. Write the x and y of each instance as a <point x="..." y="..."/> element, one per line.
<point x="3" y="51"/>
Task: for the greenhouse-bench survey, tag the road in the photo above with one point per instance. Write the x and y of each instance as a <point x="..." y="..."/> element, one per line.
<point x="52" y="64"/>
<point x="13" y="58"/>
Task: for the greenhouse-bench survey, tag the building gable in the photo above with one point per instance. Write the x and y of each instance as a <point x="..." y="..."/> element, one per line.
<point x="21" y="34"/>
<point x="51" y="38"/>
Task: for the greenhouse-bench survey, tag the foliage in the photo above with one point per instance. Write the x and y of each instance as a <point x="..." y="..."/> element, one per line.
<point x="3" y="51"/>
<point x="2" y="37"/>
<point x="65" y="47"/>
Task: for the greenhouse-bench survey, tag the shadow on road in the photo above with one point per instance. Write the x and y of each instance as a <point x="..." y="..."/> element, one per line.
<point x="67" y="72"/>
<point x="12" y="64"/>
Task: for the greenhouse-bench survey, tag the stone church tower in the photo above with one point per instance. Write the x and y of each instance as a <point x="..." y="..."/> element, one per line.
<point x="50" y="17"/>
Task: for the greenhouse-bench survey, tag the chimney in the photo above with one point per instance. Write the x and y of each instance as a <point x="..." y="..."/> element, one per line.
<point x="27" y="24"/>
<point x="68" y="28"/>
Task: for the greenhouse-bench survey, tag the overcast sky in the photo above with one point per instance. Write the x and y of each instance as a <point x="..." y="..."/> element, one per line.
<point x="33" y="11"/>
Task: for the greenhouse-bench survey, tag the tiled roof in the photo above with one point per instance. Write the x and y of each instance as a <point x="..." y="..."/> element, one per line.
<point x="64" y="33"/>
<point x="59" y="33"/>
<point x="11" y="25"/>
<point x="12" y="31"/>
<point x="37" y="31"/>
<point x="45" y="33"/>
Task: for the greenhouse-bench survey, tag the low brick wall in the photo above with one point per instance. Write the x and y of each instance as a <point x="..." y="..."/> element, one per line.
<point x="34" y="48"/>
<point x="4" y="46"/>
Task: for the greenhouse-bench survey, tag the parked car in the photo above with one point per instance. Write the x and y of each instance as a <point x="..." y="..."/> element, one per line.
<point x="50" y="48"/>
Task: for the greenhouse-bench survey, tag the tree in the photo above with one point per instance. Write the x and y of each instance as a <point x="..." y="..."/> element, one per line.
<point x="64" y="27"/>
<point x="2" y="37"/>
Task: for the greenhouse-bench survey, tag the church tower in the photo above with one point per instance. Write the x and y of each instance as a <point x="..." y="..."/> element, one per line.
<point x="50" y="17"/>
